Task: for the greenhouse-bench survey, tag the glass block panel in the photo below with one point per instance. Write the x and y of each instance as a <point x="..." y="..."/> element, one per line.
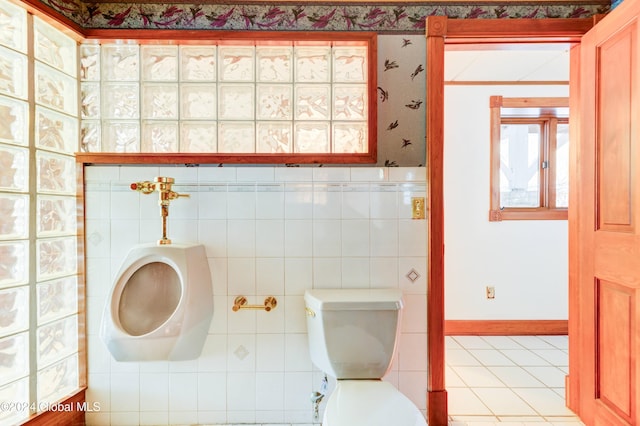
<point x="160" y="101"/>
<point x="312" y="137"/>
<point x="54" y="47"/>
<point x="14" y="263"/>
<point x="275" y="64"/>
<point x="198" y="101"/>
<point x="158" y="136"/>
<point x="14" y="311"/>
<point x="236" y="137"/>
<point x="313" y="64"/>
<point x="13" y="69"/>
<point x="350" y="102"/>
<point x="120" y="62"/>
<point x="235" y="102"/>
<point x="90" y="62"/>
<point x="90" y="100"/>
<point x="14" y="168"/>
<point x="312" y="102"/>
<point x="350" y="138"/>
<point x="13" y="22"/>
<point x="57" y="299"/>
<point x="55" y="173"/>
<point x="197" y="63"/>
<point x="90" y="136"/>
<point x="56" y="257"/>
<point x="55" y="89"/>
<point x="56" y="216"/>
<point x="350" y="64"/>
<point x="236" y="63"/>
<point x="57" y="340"/>
<point x="57" y="381"/>
<point x="275" y="101"/>
<point x="14" y="121"/>
<point x="55" y="131"/>
<point x="274" y="137"/>
<point x="121" y="136"/>
<point x="14" y="216"/>
<point x="14" y="358"/>
<point x="120" y="101"/>
<point x="19" y="392"/>
<point x="159" y="63"/>
<point x="198" y="137"/>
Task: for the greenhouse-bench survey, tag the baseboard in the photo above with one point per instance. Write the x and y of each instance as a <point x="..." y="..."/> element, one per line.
<point x="505" y="327"/>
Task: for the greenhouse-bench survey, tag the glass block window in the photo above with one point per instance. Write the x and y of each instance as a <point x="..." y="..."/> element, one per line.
<point x="233" y="96"/>
<point x="38" y="288"/>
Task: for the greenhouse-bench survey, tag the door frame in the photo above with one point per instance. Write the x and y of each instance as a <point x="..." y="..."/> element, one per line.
<point x="441" y="31"/>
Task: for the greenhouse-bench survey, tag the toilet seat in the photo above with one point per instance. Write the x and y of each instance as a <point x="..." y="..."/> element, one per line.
<point x="370" y="403"/>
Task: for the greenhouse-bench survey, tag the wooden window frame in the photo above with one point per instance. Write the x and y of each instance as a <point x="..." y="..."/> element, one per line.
<point x="548" y="121"/>
<point x="260" y="37"/>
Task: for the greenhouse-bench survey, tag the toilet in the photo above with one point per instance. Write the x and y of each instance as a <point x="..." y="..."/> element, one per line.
<point x="160" y="305"/>
<point x="353" y="337"/>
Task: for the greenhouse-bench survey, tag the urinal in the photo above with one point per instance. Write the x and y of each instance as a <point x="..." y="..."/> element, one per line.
<point x="160" y="305"/>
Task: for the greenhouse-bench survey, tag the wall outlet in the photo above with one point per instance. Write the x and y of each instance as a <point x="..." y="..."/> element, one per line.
<point x="491" y="292"/>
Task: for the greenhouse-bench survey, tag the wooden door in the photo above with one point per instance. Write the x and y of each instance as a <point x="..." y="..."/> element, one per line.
<point x="605" y="367"/>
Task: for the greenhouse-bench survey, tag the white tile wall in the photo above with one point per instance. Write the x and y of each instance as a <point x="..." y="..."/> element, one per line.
<point x="268" y="231"/>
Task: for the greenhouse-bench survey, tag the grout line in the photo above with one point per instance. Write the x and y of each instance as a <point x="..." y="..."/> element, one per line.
<point x="461" y="420"/>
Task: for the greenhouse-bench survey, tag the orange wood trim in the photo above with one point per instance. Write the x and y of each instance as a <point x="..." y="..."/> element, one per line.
<point x="495" y="103"/>
<point x="82" y="294"/>
<point x="535" y="102"/>
<point x="184" y="158"/>
<point x="437" y="413"/>
<point x="572" y="386"/>
<point x="69" y="412"/>
<point x="531" y="214"/>
<point x="435" y="401"/>
<point x="517" y="30"/>
<point x="505" y="327"/>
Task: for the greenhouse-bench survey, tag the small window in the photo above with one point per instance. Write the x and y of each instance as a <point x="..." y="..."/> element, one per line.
<point x="529" y="158"/>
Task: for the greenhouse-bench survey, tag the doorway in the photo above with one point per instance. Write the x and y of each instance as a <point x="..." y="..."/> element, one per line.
<point x="440" y="32"/>
<point x="502" y="270"/>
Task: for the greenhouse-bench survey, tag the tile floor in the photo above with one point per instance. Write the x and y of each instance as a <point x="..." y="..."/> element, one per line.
<point x="507" y="380"/>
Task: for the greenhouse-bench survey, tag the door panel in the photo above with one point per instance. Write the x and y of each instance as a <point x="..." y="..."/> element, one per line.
<point x="616" y="310"/>
<point x="607" y="213"/>
<point x="614" y="135"/>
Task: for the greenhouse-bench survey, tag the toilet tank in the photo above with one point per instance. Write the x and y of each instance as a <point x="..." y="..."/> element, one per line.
<point x="353" y="332"/>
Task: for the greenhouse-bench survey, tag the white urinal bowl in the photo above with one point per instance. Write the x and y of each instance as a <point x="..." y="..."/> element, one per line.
<point x="160" y="305"/>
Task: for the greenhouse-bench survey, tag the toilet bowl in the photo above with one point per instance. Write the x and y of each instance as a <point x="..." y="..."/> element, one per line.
<point x="353" y="338"/>
<point x="160" y="305"/>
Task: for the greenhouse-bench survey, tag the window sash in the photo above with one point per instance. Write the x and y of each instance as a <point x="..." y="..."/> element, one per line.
<point x="543" y="116"/>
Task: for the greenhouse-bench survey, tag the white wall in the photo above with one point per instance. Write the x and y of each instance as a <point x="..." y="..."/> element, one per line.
<point x="268" y="231"/>
<point x="526" y="261"/>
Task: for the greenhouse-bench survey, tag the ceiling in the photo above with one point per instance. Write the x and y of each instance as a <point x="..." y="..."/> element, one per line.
<point x="523" y="62"/>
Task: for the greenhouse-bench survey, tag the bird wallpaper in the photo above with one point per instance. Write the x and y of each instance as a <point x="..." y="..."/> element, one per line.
<point x="401" y="100"/>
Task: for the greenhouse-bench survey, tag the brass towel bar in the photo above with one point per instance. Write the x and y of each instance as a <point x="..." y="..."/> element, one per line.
<point x="241" y="303"/>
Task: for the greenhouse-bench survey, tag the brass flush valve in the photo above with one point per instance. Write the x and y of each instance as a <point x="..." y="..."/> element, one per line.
<point x="165" y="195"/>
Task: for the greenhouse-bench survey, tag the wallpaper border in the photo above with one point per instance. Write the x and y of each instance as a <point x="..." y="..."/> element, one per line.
<point x="382" y="18"/>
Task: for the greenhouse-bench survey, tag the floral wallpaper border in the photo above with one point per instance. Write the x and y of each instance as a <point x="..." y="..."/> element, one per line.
<point x="398" y="17"/>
